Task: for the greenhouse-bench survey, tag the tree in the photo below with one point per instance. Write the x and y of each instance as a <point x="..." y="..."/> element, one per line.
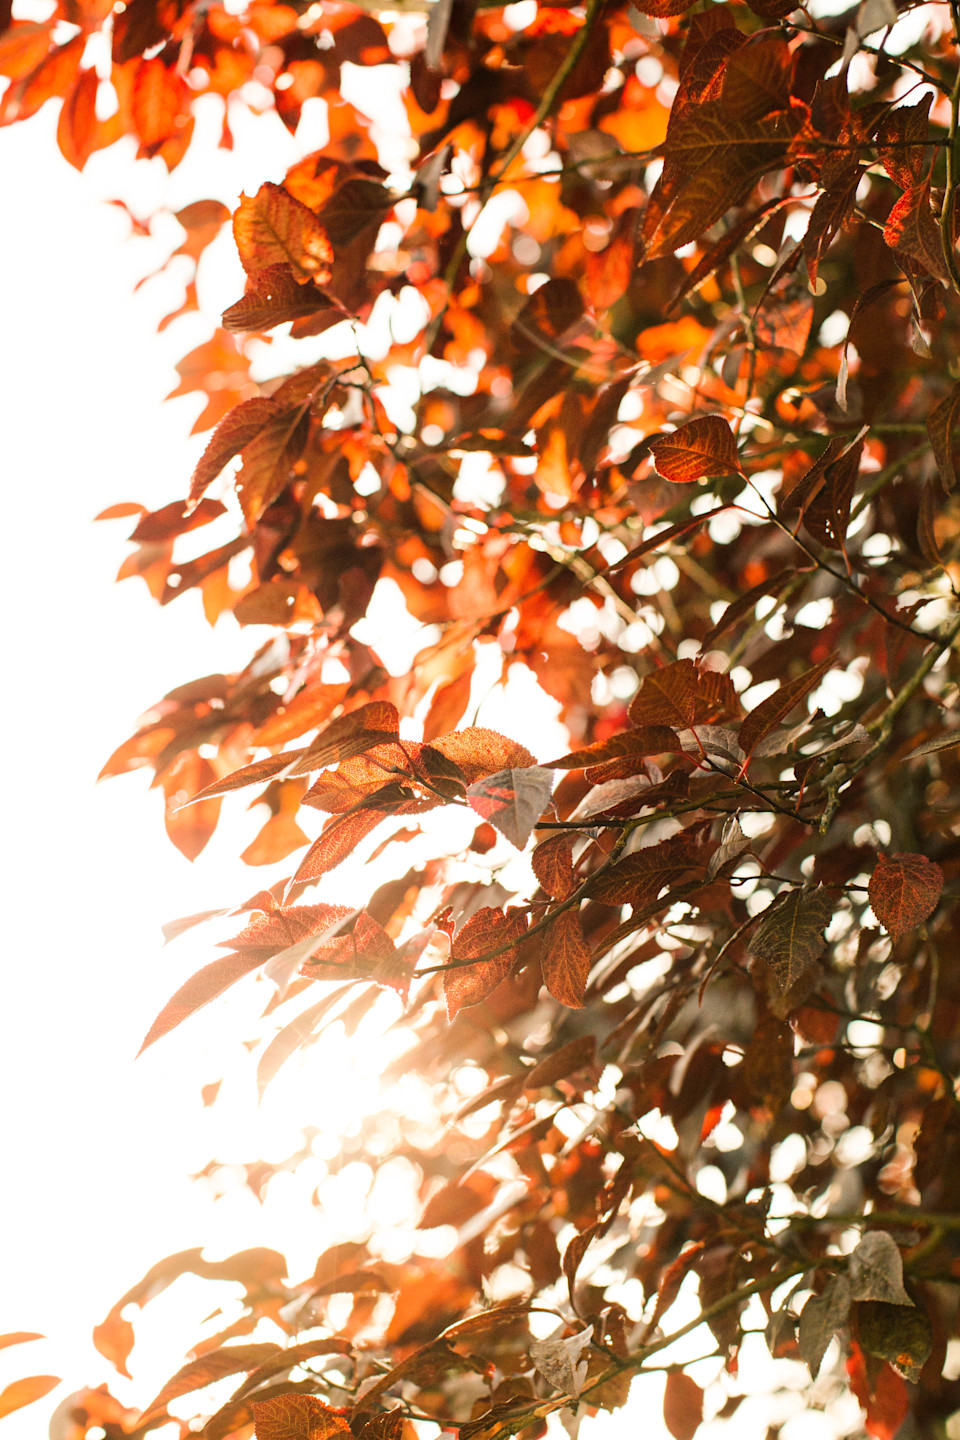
<point x="680" y="296"/>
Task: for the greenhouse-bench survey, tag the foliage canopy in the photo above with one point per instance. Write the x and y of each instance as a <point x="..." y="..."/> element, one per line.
<point x="666" y="417"/>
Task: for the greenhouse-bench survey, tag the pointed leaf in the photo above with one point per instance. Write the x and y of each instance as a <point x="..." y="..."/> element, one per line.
<point x="566" y="959"/>
<point x="487" y="931"/>
<point x="682" y="1405"/>
<point x="769" y="713"/>
<point x="941" y="423"/>
<point x="790" y="936"/>
<point x="198" y="991"/>
<point x="274" y="297"/>
<point x="698" y="449"/>
<point x="820" y="1319"/>
<point x="377" y="723"/>
<point x="901" y="1336"/>
<point x="912" y="229"/>
<point x="481" y="752"/>
<point x="904" y="890"/>
<point x="647" y="740"/>
<point x="638" y="879"/>
<point x="19" y="1337"/>
<point x="235" y="431"/>
<point x="25" y="1392"/>
<point x="513" y="801"/>
<point x="207" y="1369"/>
<point x="296" y="1417"/>
<point x="272" y="228"/>
<point x="876" y="1270"/>
<point x="552" y="863"/>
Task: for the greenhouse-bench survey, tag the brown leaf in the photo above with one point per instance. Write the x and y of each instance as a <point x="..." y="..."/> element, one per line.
<point x="376" y="723"/>
<point x="25" y="1392"/>
<point x="941" y="423"/>
<point x="269" y="458"/>
<point x="272" y="228"/>
<point x="566" y="959"/>
<point x="700" y="448"/>
<point x="637" y="879"/>
<point x="481" y="752"/>
<point x="768" y="714"/>
<point x="296" y="1417"/>
<point x="213" y="1366"/>
<point x="790" y="935"/>
<point x="647" y="740"/>
<point x="904" y="890"/>
<point x="682" y="1405"/>
<point x="273" y="298"/>
<point x="235" y="431"/>
<point x="552" y="863"/>
<point x="486" y="931"/>
<point x="198" y="991"/>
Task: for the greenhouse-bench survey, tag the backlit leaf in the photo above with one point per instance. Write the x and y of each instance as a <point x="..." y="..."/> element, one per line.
<point x="207" y="1369"/>
<point x="198" y="991"/>
<point x="488" y="931"/>
<point x="274" y="296"/>
<point x="682" y="1405"/>
<point x="272" y="228"/>
<point x="699" y="448"/>
<point x="876" y="1270"/>
<point x="766" y="716"/>
<point x="552" y="863"/>
<point x="941" y="423"/>
<point x="647" y="740"/>
<point x="352" y="734"/>
<point x="904" y="891"/>
<point x="566" y="959"/>
<point x="25" y="1392"/>
<point x="820" y="1319"/>
<point x="481" y="752"/>
<point x="513" y="800"/>
<point x="296" y="1417"/>
<point x="790" y="935"/>
<point x="243" y="424"/>
<point x="912" y="229"/>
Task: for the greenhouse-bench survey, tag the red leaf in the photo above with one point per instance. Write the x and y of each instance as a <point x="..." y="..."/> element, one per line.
<point x="884" y="1398"/>
<point x="904" y="890"/>
<point x="682" y="1405"/>
<point x="681" y="695"/>
<point x="566" y="959"/>
<point x="912" y="229"/>
<point x="769" y="713"/>
<point x="159" y="97"/>
<point x="699" y="448"/>
<point x="272" y="228"/>
<point x="296" y="1417"/>
<point x="484" y="932"/>
<point x="513" y="800"/>
<point x="340" y="837"/>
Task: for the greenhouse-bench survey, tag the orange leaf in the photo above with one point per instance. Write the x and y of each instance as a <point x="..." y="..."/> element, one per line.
<point x="912" y="229"/>
<point x="485" y="931"/>
<point x="159" y="98"/>
<point x="19" y="1337"/>
<point x="566" y="960"/>
<point x="339" y="839"/>
<point x="24" y="1392"/>
<point x="296" y="1417"/>
<point x="702" y="447"/>
<point x="272" y="228"/>
<point x="904" y="890"/>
